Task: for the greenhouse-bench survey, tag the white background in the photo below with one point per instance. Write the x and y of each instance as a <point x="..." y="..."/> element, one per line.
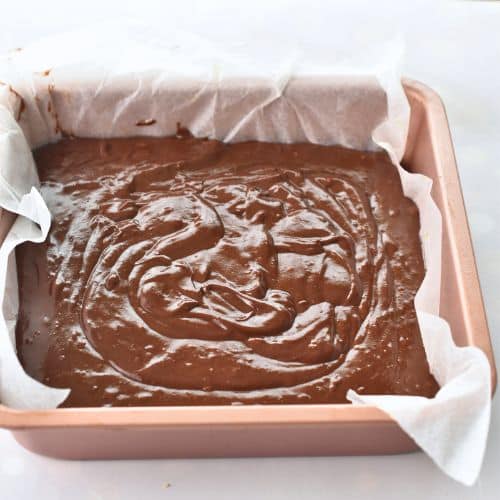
<point x="454" y="48"/>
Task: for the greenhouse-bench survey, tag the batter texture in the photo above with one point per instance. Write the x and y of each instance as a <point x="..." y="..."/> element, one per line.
<point x="183" y="271"/>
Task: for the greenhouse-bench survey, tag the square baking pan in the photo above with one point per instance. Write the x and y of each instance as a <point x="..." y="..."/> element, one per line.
<point x="273" y="430"/>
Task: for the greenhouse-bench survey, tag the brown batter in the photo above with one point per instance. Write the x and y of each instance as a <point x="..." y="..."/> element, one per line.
<point x="184" y="271"/>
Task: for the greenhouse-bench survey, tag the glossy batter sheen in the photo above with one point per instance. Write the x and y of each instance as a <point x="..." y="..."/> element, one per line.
<point x="183" y="271"/>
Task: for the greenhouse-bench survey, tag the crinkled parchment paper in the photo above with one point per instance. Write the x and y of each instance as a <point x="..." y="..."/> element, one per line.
<point x="103" y="82"/>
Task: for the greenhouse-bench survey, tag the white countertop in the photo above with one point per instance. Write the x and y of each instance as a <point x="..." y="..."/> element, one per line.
<point x="455" y="49"/>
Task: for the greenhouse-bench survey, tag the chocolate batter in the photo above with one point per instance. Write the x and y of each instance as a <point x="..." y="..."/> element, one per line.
<point x="182" y="271"/>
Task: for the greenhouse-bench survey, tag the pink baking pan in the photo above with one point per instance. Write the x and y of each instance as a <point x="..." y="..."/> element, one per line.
<point x="267" y="430"/>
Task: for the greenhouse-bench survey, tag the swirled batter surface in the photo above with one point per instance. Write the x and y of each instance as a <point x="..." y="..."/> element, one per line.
<point x="184" y="271"/>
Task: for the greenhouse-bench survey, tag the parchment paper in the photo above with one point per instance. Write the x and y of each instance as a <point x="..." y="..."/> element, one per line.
<point x="102" y="82"/>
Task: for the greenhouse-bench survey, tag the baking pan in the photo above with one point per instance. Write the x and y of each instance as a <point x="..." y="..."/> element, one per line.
<point x="267" y="430"/>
